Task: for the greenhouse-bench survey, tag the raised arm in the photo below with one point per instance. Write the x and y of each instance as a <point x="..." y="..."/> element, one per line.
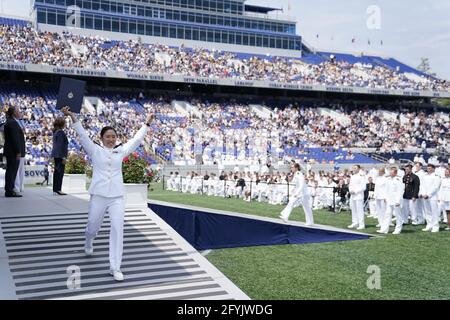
<point x="86" y="142"/>
<point x="134" y="143"/>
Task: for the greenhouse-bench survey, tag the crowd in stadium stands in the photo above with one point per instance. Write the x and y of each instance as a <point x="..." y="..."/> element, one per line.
<point x="229" y="132"/>
<point x="27" y="45"/>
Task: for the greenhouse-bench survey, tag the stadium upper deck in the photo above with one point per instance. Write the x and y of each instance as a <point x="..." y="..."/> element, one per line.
<point x="33" y="50"/>
<point x="223" y="22"/>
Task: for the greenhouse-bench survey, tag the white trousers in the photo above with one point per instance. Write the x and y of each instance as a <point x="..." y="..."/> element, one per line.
<point x="295" y="201"/>
<point x="432" y="214"/>
<point x="381" y="211"/>
<point x="373" y="208"/>
<point x="98" y="206"/>
<point x="443" y="207"/>
<point x="392" y="210"/>
<point x="384" y="216"/>
<point x="410" y="208"/>
<point x="357" y="208"/>
<point x="19" y="185"/>
<point x="420" y="210"/>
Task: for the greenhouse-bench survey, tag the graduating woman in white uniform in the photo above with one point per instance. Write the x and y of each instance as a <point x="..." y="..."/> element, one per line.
<point x="107" y="190"/>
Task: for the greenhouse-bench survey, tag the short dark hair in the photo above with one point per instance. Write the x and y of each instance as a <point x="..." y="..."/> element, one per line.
<point x="10" y="112"/>
<point x="105" y="129"/>
<point x="431" y="165"/>
<point x="297" y="166"/>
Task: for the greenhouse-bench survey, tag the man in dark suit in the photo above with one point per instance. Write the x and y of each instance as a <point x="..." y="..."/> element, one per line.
<point x="14" y="149"/>
<point x="411" y="196"/>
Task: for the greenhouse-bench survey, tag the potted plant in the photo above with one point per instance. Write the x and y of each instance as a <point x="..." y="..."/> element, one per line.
<point x="75" y="174"/>
<point x="136" y="178"/>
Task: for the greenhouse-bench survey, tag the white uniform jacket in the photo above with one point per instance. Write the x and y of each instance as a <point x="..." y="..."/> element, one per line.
<point x="301" y="188"/>
<point x="444" y="191"/>
<point x="429" y="185"/>
<point x="107" y="178"/>
<point x="357" y="185"/>
<point x="380" y="187"/>
<point x="394" y="191"/>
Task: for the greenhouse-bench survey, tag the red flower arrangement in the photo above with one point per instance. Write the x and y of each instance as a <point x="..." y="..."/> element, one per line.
<point x="135" y="169"/>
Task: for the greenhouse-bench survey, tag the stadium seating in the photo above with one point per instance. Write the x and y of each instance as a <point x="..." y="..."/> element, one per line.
<point x="20" y="43"/>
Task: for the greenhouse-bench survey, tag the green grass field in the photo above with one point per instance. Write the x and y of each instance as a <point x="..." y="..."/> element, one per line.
<point x="413" y="265"/>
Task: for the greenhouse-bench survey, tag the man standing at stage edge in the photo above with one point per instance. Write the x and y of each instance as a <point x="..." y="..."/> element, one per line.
<point x="14" y="149"/>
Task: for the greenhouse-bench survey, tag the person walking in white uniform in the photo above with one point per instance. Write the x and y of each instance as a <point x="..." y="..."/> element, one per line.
<point x="444" y="197"/>
<point x="356" y="188"/>
<point x="107" y="189"/>
<point x="299" y="196"/>
<point x="429" y="188"/>
<point x="394" y="196"/>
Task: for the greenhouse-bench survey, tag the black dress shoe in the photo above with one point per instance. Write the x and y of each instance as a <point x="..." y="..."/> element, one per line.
<point x="13" y="195"/>
<point x="59" y="193"/>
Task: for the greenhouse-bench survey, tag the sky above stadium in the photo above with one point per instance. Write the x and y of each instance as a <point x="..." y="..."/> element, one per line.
<point x="404" y="29"/>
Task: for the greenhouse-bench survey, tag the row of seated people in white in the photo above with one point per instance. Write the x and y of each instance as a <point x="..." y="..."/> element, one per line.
<point x="231" y="161"/>
<point x="387" y="202"/>
<point x="262" y="191"/>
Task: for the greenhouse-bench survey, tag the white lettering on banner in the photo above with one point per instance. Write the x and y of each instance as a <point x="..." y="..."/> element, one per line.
<point x="223" y="82"/>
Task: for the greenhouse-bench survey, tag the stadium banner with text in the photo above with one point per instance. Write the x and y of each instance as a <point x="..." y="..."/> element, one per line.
<point x="40" y="68"/>
<point x="35" y="174"/>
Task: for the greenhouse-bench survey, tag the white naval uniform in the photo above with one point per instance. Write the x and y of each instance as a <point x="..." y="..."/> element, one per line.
<point x="107" y="189"/>
<point x="171" y="183"/>
<point x="444" y="197"/>
<point x="429" y="186"/>
<point x="380" y="196"/>
<point x="357" y="185"/>
<point x="299" y="196"/>
<point x="394" y="195"/>
<point x="420" y="211"/>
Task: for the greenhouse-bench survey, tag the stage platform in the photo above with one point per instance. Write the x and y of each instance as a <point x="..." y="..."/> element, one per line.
<point x="259" y="218"/>
<point x="42" y="240"/>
